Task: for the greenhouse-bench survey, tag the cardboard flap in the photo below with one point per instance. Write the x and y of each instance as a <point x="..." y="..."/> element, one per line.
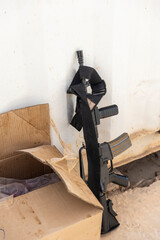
<point x="24" y="128"/>
<point x="49" y="213"/>
<point x="75" y="185"/>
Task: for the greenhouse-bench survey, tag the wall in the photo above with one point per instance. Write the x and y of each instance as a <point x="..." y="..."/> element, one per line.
<point x="38" y="40"/>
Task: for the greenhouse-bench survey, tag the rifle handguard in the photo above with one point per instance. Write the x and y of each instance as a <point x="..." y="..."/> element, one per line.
<point x="108" y="111"/>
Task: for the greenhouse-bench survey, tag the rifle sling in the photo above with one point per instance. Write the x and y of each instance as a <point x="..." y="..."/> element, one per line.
<point x="83" y="118"/>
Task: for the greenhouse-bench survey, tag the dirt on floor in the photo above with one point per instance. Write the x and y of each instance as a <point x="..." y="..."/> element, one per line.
<point x="138" y="213"/>
<point x="144" y="171"/>
<point x="138" y="207"/>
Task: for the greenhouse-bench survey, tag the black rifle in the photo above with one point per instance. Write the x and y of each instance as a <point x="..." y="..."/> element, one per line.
<point x="98" y="154"/>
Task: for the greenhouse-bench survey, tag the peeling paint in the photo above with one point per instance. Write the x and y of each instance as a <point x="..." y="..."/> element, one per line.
<point x="142" y="132"/>
<point x="144" y="143"/>
<point x="68" y="151"/>
<point x="136" y="157"/>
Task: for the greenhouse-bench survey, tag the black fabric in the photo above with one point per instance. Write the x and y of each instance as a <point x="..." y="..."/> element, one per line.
<point x="77" y="119"/>
<point x="83" y="118"/>
<point x="98" y="87"/>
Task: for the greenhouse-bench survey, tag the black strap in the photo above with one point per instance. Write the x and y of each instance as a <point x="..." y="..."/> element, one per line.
<point x="83" y="118"/>
<point x="97" y="85"/>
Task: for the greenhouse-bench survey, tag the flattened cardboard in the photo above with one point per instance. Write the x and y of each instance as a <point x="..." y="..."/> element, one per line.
<point x="75" y="185"/>
<point x="24" y="128"/>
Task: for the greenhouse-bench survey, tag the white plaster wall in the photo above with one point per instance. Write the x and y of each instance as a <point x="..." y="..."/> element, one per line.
<point x="121" y="39"/>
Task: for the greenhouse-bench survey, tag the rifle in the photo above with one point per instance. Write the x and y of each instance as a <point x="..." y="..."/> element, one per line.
<point x="88" y="116"/>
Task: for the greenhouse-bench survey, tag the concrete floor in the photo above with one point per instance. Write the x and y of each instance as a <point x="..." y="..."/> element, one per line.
<point x="138" y="213"/>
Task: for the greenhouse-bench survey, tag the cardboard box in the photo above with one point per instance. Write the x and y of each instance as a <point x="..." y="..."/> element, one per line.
<point x="62" y="211"/>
